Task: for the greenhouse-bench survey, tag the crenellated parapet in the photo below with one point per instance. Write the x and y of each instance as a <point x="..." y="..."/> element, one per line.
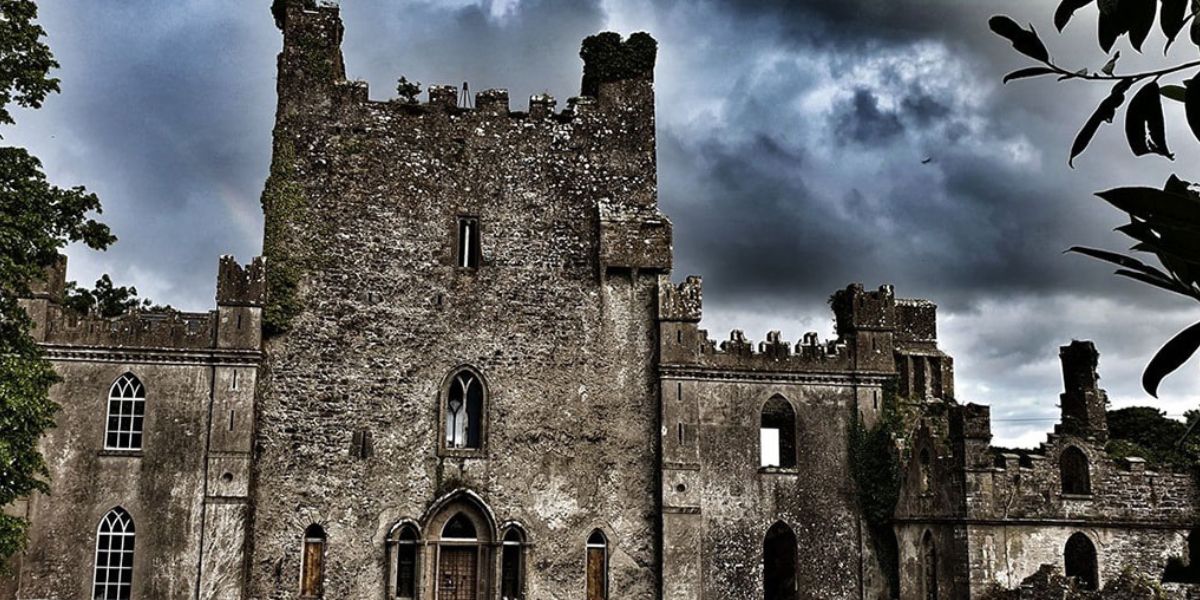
<point x="681" y="302"/>
<point x="136" y="329"/>
<point x="774" y="353"/>
<point x="241" y="286"/>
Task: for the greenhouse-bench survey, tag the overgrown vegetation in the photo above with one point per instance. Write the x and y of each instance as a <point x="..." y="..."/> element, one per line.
<point x="607" y="58"/>
<point x="407" y="91"/>
<point x="875" y="467"/>
<point x="279" y="9"/>
<point x="106" y="300"/>
<point x="37" y="219"/>
<point x="1147" y="432"/>
<point x="282" y="201"/>
<point x="1164" y="223"/>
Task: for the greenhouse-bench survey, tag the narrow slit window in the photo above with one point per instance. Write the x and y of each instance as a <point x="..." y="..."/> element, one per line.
<point x="126" y="412"/>
<point x="468" y="242"/>
<point x="512" y="566"/>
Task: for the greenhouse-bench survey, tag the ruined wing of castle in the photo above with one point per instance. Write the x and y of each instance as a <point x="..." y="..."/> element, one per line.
<point x="463" y="372"/>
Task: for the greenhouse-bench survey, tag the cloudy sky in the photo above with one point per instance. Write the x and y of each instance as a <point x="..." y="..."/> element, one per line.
<point x="791" y="140"/>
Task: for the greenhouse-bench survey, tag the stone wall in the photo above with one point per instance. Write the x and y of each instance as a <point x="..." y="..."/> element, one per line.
<point x="185" y="486"/>
<point x="557" y="319"/>
<point x="1011" y="513"/>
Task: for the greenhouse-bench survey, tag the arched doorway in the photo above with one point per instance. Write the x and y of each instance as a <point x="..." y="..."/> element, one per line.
<point x="779" y="563"/>
<point x="461" y="532"/>
<point x="1080" y="561"/>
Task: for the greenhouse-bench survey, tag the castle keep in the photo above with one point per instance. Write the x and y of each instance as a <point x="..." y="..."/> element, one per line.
<point x="463" y="371"/>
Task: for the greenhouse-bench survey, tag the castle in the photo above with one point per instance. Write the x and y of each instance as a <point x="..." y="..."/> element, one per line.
<point x="463" y="371"/>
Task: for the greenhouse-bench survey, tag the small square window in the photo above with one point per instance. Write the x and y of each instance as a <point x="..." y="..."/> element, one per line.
<point x="468" y="242"/>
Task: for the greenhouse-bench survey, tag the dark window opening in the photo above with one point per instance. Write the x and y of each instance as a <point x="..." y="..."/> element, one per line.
<point x="406" y="562"/>
<point x="1080" y="561"/>
<point x="362" y="444"/>
<point x="312" y="568"/>
<point x="929" y="579"/>
<point x="113" y="579"/>
<point x="459" y="527"/>
<point x="779" y="563"/>
<point x="1073" y="466"/>
<point x="511" y="567"/>
<point x="777" y="435"/>
<point x="597" y="566"/>
<point x="464" y="412"/>
<point x="1179" y="571"/>
<point x="468" y="242"/>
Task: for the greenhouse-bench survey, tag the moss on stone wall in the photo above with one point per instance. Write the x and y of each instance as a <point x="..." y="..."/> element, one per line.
<point x="282" y="200"/>
<point x="875" y="467"/>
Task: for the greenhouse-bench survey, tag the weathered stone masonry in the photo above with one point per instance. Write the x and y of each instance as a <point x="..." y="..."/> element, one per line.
<point x="479" y="380"/>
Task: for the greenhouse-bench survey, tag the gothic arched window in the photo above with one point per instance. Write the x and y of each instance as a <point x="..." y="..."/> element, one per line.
<point x="113" y="578"/>
<point x="464" y="411"/>
<point x="924" y="464"/>
<point x="126" y="411"/>
<point x="312" y="567"/>
<point x="1073" y="467"/>
<point x="777" y="434"/>
<point x="404" y="543"/>
<point x="597" y="566"/>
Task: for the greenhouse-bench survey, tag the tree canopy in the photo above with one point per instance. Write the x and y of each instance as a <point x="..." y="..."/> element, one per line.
<point x="37" y="219"/>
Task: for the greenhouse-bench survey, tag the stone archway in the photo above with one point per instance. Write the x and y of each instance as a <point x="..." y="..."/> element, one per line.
<point x="460" y="536"/>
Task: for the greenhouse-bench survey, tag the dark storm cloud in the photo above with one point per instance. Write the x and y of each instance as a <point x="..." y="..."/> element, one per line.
<point x="861" y="120"/>
<point x="793" y="137"/>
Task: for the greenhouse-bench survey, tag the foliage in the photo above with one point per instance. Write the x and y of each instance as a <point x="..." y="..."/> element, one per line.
<point x="282" y="200"/>
<point x="607" y="58"/>
<point x="875" y="467"/>
<point x="37" y="220"/>
<point x="24" y="60"/>
<point x="106" y="300"/>
<point x="408" y="90"/>
<point x="1147" y="432"/>
<point x="279" y="9"/>
<point x="1164" y="223"/>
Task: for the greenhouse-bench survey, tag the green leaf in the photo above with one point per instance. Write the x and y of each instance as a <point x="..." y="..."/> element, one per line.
<point x="1065" y="10"/>
<point x="1170" y="357"/>
<point x="1177" y="93"/>
<point x="1170" y="19"/>
<point x="1166" y="284"/>
<point x="1104" y="114"/>
<point x="1025" y="41"/>
<point x="1144" y="128"/>
<point x="1148" y="202"/>
<point x="1028" y="72"/>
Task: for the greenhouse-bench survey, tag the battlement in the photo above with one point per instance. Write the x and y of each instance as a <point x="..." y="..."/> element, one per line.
<point x="775" y="353"/>
<point x="681" y="302"/>
<point x="241" y="286"/>
<point x="858" y="310"/>
<point x="136" y="329"/>
<point x="617" y="74"/>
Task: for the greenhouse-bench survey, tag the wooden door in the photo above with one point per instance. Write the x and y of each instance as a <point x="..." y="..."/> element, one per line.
<point x="596" y="576"/>
<point x="457" y="573"/>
